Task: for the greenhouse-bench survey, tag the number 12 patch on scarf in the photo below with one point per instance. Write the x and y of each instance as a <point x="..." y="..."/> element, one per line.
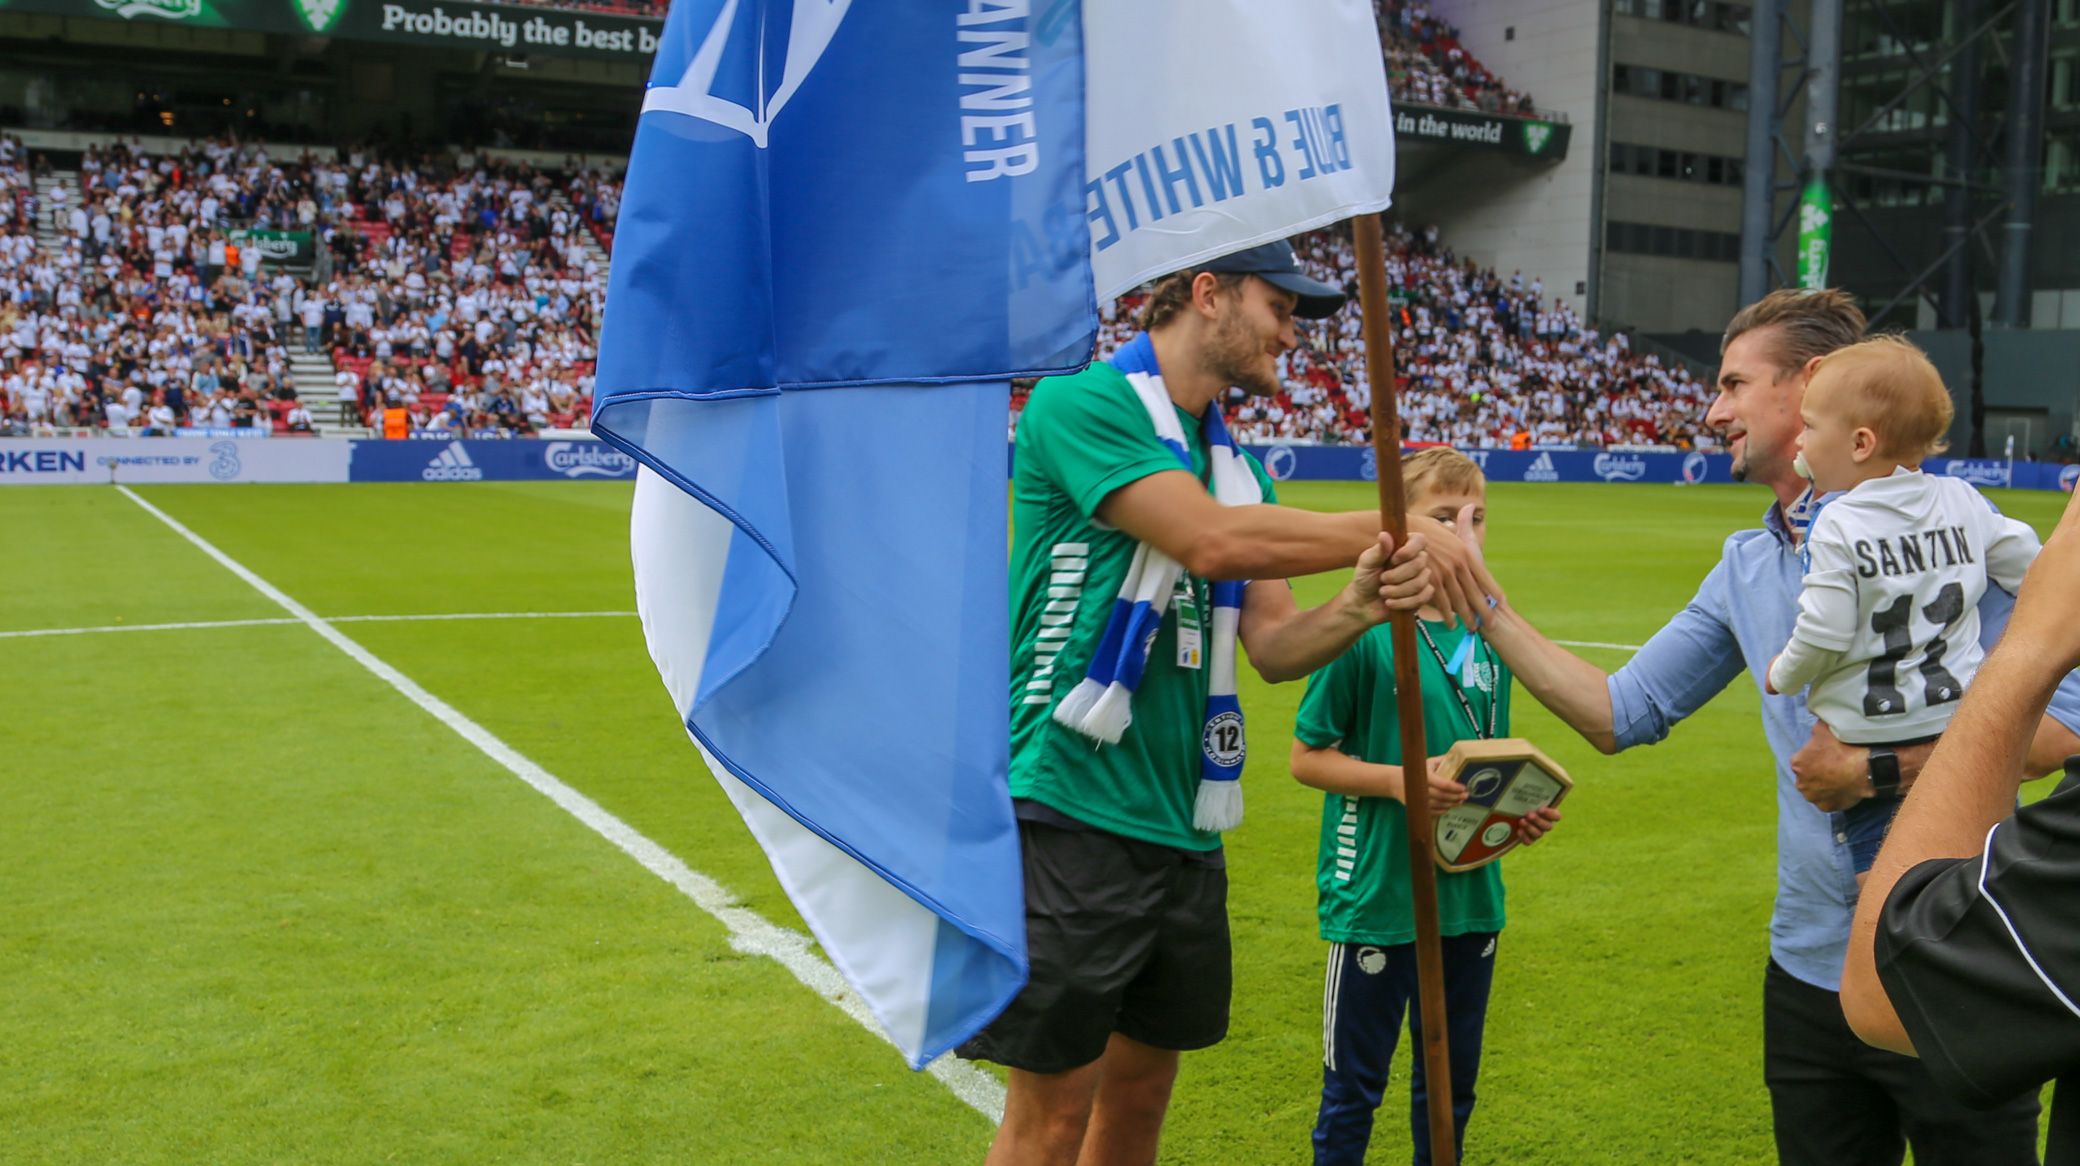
<point x="1191" y="635"/>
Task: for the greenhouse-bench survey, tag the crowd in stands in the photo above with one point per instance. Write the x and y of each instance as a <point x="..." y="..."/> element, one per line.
<point x="1426" y="64"/>
<point x="461" y="297"/>
<point x="446" y="296"/>
<point x="1480" y="360"/>
<point x="453" y="297"/>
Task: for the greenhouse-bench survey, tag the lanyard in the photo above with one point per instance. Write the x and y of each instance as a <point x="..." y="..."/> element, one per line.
<point x="1487" y="732"/>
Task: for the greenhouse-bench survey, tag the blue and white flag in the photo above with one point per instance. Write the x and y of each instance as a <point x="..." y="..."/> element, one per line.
<point x="846" y="226"/>
<point x="1221" y="124"/>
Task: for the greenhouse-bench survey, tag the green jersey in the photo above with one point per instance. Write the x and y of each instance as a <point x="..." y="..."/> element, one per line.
<point x="1080" y="438"/>
<point x="1361" y="876"/>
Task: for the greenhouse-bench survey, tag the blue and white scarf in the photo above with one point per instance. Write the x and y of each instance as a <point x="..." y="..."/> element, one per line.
<point x="1101" y="706"/>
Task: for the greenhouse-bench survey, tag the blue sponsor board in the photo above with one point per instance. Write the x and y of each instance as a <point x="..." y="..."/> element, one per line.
<point x="487" y="461"/>
<point x="1344" y="463"/>
<point x="467" y="460"/>
<point x="1984" y="472"/>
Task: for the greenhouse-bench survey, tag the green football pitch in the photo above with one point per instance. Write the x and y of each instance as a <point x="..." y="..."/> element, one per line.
<point x="261" y="907"/>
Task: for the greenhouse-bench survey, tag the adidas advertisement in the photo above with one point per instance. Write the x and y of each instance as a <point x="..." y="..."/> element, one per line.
<point x="1541" y="469"/>
<point x="452" y="464"/>
<point x="458" y="23"/>
<point x="487" y="460"/>
<point x="1528" y="137"/>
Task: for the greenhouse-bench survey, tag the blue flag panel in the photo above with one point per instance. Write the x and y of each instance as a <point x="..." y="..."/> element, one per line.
<point x="846" y="226"/>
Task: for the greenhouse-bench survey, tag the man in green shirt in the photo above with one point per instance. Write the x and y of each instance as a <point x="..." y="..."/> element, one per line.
<point x="1126" y="902"/>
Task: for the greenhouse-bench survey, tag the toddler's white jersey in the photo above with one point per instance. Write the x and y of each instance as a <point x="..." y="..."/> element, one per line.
<point x="1888" y="622"/>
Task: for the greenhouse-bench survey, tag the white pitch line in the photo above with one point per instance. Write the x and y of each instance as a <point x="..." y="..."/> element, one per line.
<point x="749" y="932"/>
<point x="1598" y="644"/>
<point x="204" y="625"/>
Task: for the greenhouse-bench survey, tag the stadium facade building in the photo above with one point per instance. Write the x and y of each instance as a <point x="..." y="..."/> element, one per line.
<point x="1644" y="219"/>
<point x="1639" y="225"/>
<point x="1943" y="226"/>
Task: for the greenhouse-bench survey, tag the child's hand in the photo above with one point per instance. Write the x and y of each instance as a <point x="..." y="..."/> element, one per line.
<point x="1444" y="792"/>
<point x="1766" y="685"/>
<point x="1533" y="826"/>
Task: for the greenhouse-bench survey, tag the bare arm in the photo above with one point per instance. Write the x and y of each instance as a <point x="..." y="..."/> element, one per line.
<point x="1576" y="691"/>
<point x="1333" y="771"/>
<point x="1968" y="784"/>
<point x="1172" y="512"/>
<point x="1286" y="643"/>
<point x="2048" y="749"/>
<point x="1970" y="780"/>
<point x="1834" y="776"/>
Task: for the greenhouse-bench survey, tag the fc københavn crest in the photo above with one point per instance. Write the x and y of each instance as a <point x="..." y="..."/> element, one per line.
<point x="733" y="58"/>
<point x="320" y="15"/>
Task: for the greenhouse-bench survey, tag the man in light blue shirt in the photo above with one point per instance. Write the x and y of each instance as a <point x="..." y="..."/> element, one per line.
<point x="1833" y="1099"/>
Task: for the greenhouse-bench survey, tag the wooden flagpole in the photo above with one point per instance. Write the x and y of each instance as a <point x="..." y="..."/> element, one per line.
<point x="1415" y="753"/>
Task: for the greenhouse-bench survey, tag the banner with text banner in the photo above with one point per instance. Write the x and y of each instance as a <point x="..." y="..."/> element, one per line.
<point x="1181" y="170"/>
<point x="461" y="24"/>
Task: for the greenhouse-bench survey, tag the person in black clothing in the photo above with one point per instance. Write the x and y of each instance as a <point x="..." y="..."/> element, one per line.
<point x="1966" y="945"/>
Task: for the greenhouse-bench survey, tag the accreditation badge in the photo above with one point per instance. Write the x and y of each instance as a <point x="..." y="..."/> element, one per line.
<point x="1505" y="779"/>
<point x="1191" y="625"/>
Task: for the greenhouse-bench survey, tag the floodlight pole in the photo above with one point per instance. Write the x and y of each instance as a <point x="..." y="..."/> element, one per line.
<point x="1408" y="687"/>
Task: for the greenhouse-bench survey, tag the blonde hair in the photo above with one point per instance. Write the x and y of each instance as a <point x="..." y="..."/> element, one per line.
<point x="1440" y="469"/>
<point x="1887" y="385"/>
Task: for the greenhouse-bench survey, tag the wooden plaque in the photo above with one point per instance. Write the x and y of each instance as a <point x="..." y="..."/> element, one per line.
<point x="1505" y="779"/>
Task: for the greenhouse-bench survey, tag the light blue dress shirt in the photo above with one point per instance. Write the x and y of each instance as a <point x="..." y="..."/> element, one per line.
<point x="1741" y="617"/>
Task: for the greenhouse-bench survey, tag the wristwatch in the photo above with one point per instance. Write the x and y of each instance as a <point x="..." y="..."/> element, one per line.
<point x="1884" y="773"/>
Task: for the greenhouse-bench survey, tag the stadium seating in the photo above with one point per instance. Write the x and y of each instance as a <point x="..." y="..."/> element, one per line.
<point x="466" y="292"/>
<point x="1479" y="361"/>
<point x="1426" y="65"/>
<point x="463" y="291"/>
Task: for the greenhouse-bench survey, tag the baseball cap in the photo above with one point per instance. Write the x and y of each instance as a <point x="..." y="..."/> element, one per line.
<point x="1275" y="264"/>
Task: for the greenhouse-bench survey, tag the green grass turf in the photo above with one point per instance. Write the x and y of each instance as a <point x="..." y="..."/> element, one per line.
<point x="262" y="909"/>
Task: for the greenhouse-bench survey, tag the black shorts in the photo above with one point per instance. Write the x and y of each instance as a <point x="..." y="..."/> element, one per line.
<point x="1124" y="936"/>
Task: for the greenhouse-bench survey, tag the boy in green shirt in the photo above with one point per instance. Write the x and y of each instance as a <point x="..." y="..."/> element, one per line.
<point x="1347" y="743"/>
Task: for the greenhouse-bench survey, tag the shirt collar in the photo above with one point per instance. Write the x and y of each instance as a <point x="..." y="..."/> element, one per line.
<point x="1789" y="526"/>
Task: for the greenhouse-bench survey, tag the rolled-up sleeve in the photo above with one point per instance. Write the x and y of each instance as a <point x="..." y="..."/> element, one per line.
<point x="1981" y="956"/>
<point x="1684" y="665"/>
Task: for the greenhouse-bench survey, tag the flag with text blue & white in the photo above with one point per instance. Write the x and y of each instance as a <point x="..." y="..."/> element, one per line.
<point x="847" y="226"/>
